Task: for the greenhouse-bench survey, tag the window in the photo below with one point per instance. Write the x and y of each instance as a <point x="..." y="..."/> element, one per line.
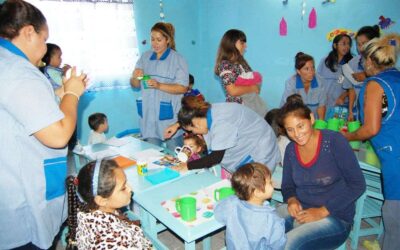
<point x="98" y="37"/>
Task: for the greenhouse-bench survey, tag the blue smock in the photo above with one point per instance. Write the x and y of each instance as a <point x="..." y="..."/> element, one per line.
<point x="243" y="134"/>
<point x="387" y="142"/>
<point x="158" y="109"/>
<point x="32" y="176"/>
<point x="249" y="226"/>
<point x="333" y="83"/>
<point x="314" y="98"/>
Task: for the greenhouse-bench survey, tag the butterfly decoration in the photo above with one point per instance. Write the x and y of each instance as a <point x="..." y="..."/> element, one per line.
<point x="385" y="23"/>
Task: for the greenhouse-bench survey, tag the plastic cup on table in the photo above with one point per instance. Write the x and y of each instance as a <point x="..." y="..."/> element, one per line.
<point x="351" y="127"/>
<point x="333" y="124"/>
<point x="320" y="124"/>
<point x="222" y="193"/>
<point x="186" y="207"/>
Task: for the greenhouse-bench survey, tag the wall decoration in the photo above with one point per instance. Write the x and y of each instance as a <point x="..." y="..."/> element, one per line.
<point x="331" y="35"/>
<point x="329" y="1"/>
<point x="285" y="2"/>
<point x="385" y="23"/>
<point x="312" y="19"/>
<point x="303" y="9"/>
<point x="283" y="27"/>
<point x="144" y="42"/>
<point x="162" y="15"/>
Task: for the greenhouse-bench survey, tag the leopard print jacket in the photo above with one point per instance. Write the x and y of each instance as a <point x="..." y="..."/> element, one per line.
<point x="100" y="230"/>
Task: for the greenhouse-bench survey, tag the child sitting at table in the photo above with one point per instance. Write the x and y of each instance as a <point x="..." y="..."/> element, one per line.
<point x="99" y="124"/>
<point x="103" y="187"/>
<point x="196" y="144"/>
<point x="251" y="223"/>
<point x="191" y="91"/>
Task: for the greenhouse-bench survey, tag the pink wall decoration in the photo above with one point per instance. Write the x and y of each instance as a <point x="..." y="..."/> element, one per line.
<point x="312" y="19"/>
<point x="283" y="27"/>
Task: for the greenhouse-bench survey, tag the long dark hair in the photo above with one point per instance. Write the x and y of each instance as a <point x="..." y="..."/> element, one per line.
<point x="331" y="60"/>
<point x="370" y="32"/>
<point x="16" y="14"/>
<point x="228" y="51"/>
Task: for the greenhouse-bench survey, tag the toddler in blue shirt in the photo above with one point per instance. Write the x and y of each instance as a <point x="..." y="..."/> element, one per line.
<point x="251" y="223"/>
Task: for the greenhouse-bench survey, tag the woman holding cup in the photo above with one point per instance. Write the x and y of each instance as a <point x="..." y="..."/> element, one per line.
<point x="234" y="133"/>
<point x="162" y="74"/>
<point x="380" y="117"/>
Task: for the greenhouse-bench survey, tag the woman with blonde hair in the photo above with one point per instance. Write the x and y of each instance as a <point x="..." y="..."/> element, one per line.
<point x="380" y="115"/>
<point x="167" y="80"/>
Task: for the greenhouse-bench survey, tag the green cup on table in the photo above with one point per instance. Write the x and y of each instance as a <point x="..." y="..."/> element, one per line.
<point x="222" y="193"/>
<point x="333" y="124"/>
<point x="186" y="207"/>
<point x="320" y="124"/>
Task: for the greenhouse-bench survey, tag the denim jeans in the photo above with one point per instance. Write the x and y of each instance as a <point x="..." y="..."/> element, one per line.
<point x="327" y="233"/>
<point x="171" y="144"/>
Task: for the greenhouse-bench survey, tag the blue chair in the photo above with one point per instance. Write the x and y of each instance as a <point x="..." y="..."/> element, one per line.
<point x="126" y="132"/>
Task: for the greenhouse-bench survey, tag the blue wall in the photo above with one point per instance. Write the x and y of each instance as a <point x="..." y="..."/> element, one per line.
<point x="200" y="25"/>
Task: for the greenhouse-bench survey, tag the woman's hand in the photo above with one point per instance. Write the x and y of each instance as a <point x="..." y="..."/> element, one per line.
<point x="171" y="130"/>
<point x="359" y="77"/>
<point x="153" y="84"/>
<point x="312" y="214"/>
<point x="138" y="73"/>
<point x="294" y="207"/>
<point x="182" y="167"/>
<point x="350" y="117"/>
<point x="75" y="83"/>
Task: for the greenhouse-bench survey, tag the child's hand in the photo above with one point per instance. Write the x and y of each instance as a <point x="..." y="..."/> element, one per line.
<point x="182" y="167"/>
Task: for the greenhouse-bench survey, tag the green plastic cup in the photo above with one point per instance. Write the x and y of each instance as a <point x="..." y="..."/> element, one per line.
<point x="333" y="124"/>
<point x="353" y="126"/>
<point x="222" y="193"/>
<point x="186" y="207"/>
<point x="144" y="81"/>
<point x="320" y="124"/>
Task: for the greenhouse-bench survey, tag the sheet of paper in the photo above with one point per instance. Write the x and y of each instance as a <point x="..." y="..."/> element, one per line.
<point x="148" y="155"/>
<point x="117" y="142"/>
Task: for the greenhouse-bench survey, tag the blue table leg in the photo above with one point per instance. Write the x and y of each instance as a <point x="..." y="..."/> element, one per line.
<point x="190" y="245"/>
<point x="207" y="243"/>
<point x="149" y="226"/>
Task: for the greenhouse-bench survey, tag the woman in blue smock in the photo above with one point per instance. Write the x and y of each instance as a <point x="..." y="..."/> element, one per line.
<point x="234" y="135"/>
<point x="161" y="95"/>
<point x="354" y="69"/>
<point x="34" y="131"/>
<point x="330" y="69"/>
<point x="380" y="116"/>
<point x="307" y="84"/>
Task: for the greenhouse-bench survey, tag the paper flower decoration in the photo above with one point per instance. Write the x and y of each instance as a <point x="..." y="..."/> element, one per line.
<point x="385" y="23"/>
<point x="331" y="35"/>
<point x="283" y="27"/>
<point x="312" y="19"/>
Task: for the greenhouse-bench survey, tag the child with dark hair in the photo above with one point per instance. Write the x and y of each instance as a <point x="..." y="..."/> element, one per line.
<point x="251" y="223"/>
<point x="191" y="91"/>
<point x="197" y="144"/>
<point x="103" y="189"/>
<point x="99" y="124"/>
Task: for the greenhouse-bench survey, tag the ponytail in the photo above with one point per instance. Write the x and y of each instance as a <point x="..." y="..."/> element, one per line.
<point x="73" y="206"/>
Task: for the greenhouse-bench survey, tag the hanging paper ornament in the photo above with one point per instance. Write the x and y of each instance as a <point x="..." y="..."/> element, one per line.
<point x="303" y="9"/>
<point x="385" y="23"/>
<point x="331" y="35"/>
<point x="162" y="15"/>
<point x="329" y="1"/>
<point x="283" y="27"/>
<point x="312" y="19"/>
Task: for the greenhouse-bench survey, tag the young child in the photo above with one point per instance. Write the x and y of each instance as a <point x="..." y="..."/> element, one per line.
<point x="191" y="91"/>
<point x="251" y="223"/>
<point x="272" y="119"/>
<point x="103" y="187"/>
<point x="99" y="124"/>
<point x="52" y="60"/>
<point x="196" y="144"/>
